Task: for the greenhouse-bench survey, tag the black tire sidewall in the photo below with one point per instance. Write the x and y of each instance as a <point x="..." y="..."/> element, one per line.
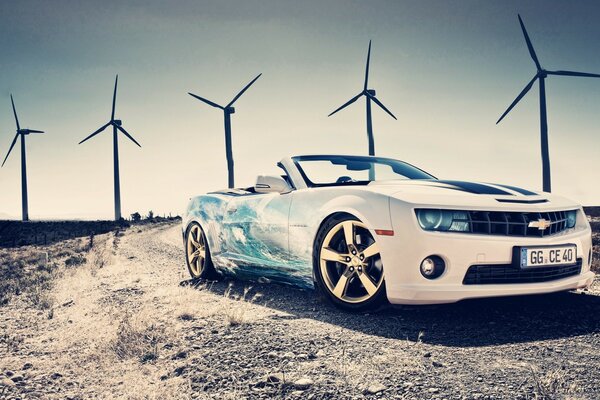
<point x="367" y="305"/>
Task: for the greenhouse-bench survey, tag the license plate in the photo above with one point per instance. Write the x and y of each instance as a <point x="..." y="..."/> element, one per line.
<point x="547" y="256"/>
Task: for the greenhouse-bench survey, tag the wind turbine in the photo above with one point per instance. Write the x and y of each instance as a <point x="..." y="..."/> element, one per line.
<point x="540" y="76"/>
<point x="22" y="133"/>
<point x="117" y="126"/>
<point x="227" y="111"/>
<point x="370" y="96"/>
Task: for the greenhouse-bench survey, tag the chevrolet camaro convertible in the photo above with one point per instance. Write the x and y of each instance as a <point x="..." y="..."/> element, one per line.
<point x="363" y="230"/>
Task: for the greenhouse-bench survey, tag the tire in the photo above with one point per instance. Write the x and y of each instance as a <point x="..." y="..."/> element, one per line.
<point x="349" y="276"/>
<point x="197" y="253"/>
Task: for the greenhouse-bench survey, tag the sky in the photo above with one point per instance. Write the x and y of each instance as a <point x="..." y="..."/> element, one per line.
<point x="446" y="69"/>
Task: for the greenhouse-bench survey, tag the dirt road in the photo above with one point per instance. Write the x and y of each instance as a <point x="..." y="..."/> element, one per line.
<point x="129" y="324"/>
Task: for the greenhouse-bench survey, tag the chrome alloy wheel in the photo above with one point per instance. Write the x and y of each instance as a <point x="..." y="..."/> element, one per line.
<point x="196" y="250"/>
<point x="350" y="262"/>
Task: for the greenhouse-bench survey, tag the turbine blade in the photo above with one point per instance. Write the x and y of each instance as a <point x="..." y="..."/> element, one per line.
<point x="529" y="45"/>
<point x="35" y="131"/>
<point x="10" y="149"/>
<point x="346" y="104"/>
<point x="367" y="69"/>
<point x="112" y="115"/>
<point x="573" y="73"/>
<point x="210" y="103"/>
<point x="380" y="104"/>
<point x="103" y="127"/>
<point x="128" y="135"/>
<point x="243" y="90"/>
<point x="519" y="97"/>
<point x="15" y="112"/>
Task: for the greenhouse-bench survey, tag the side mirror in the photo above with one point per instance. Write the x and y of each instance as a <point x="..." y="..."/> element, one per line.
<point x="271" y="184"/>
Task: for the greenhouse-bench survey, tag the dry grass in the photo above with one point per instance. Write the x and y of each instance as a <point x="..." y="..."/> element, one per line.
<point x="25" y="272"/>
<point x="360" y="372"/>
<point x="138" y="337"/>
<point x="138" y="389"/>
<point x="28" y="272"/>
<point x="236" y="312"/>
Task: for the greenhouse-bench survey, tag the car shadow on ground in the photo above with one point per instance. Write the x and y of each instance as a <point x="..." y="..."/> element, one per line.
<point x="468" y="323"/>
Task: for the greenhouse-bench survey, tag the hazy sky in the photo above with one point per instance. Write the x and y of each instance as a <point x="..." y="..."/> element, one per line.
<point x="447" y="69"/>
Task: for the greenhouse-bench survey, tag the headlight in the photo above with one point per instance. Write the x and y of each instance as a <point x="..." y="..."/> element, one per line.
<point x="443" y="220"/>
<point x="571" y="218"/>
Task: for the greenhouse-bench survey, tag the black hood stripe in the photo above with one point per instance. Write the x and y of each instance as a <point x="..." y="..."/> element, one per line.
<point x="476" y="188"/>
<point x="519" y="190"/>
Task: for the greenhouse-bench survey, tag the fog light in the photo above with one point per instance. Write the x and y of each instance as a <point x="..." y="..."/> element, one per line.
<point x="432" y="267"/>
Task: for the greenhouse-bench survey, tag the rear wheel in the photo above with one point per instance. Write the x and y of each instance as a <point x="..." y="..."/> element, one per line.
<point x="197" y="254"/>
<point x="347" y="264"/>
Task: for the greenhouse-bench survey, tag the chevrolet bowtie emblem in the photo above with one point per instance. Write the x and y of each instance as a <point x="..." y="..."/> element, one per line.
<point x="541" y="224"/>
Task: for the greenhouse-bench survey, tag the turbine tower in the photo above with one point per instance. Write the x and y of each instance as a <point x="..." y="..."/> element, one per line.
<point x="370" y="96"/>
<point x="227" y="111"/>
<point x="541" y="76"/>
<point x="117" y="126"/>
<point x="22" y="133"/>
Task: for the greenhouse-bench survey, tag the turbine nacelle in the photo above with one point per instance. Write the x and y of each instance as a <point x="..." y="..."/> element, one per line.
<point x="368" y="93"/>
<point x="117" y="123"/>
<point x="230" y="110"/>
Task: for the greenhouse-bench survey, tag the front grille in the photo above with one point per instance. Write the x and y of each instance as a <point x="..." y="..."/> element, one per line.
<point x="504" y="274"/>
<point x="514" y="223"/>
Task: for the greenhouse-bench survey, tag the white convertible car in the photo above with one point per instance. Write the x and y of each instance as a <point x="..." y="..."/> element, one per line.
<point x="368" y="229"/>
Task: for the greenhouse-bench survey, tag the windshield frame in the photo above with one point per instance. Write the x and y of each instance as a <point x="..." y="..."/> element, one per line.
<point x="370" y="159"/>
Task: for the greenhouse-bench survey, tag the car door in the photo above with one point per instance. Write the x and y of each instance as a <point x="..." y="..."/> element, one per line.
<point x="256" y="231"/>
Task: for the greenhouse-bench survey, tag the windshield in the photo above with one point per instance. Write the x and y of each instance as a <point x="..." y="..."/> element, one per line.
<point x="354" y="170"/>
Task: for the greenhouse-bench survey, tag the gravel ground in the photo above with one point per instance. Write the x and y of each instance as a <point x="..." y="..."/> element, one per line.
<point x="129" y="324"/>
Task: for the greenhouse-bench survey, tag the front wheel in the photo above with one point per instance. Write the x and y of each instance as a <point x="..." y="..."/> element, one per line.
<point x="197" y="254"/>
<point x="347" y="265"/>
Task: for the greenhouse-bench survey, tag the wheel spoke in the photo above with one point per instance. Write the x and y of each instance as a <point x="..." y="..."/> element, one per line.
<point x="370" y="251"/>
<point x="193" y="265"/>
<point x="197" y="254"/>
<point x="340" y="287"/>
<point x="348" y="228"/>
<point x="331" y="255"/>
<point x="367" y="283"/>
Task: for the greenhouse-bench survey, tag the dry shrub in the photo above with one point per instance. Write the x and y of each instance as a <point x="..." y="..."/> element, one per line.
<point x="40" y="298"/>
<point x="12" y="343"/>
<point x="137" y="338"/>
<point x="75" y="260"/>
<point x="553" y="385"/>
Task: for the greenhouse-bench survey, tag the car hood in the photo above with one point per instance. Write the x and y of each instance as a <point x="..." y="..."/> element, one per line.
<point x="472" y="195"/>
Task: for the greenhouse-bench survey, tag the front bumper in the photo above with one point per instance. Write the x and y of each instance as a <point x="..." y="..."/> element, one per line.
<point x="402" y="255"/>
